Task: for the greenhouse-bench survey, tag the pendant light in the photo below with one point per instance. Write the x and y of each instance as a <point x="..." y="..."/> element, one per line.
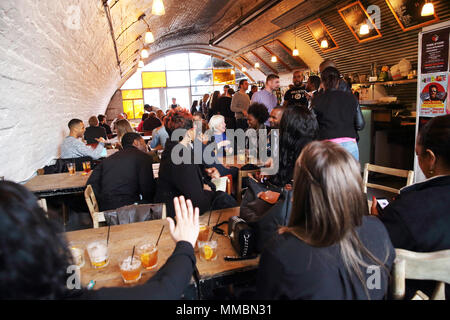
<point x="257" y="65"/>
<point x="427" y="9"/>
<point x="364" y="29"/>
<point x="274" y="57"/>
<point x="324" y="44"/>
<point x="244" y="69"/>
<point x="144" y="54"/>
<point x="149" y="38"/>
<point x="141" y="64"/>
<point x="158" y="8"/>
<point x="232" y="72"/>
<point x="295" y="51"/>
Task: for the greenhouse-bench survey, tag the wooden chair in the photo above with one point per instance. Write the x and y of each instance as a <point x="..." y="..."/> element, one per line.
<point x="92" y="204"/>
<point x="408" y="174"/>
<point x="241" y="175"/>
<point x="421" y="266"/>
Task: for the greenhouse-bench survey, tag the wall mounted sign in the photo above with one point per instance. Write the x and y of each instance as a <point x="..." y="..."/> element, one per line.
<point x="355" y="16"/>
<point x="320" y="33"/>
<point x="408" y="13"/>
<point x="435" y="46"/>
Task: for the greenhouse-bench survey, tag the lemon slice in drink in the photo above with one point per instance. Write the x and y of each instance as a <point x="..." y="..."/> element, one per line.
<point x="208" y="251"/>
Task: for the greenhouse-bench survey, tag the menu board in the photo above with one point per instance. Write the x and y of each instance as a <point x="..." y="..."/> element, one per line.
<point x="435" y="51"/>
<point x="434" y="94"/>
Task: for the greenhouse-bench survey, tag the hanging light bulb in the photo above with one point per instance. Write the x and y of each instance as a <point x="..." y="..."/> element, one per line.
<point x="149" y="37"/>
<point x="295" y="52"/>
<point x="244" y="69"/>
<point x="144" y="54"/>
<point x="257" y="65"/>
<point x="141" y="64"/>
<point x="364" y="29"/>
<point x="232" y="72"/>
<point x="324" y="44"/>
<point x="274" y="59"/>
<point x="427" y="9"/>
<point x="158" y="8"/>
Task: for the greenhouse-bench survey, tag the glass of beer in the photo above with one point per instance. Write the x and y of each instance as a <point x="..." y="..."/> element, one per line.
<point x="87" y="167"/>
<point x="208" y="250"/>
<point x="148" y="254"/>
<point x="98" y="254"/>
<point x="72" y="168"/>
<point x="130" y="268"/>
<point x="77" y="253"/>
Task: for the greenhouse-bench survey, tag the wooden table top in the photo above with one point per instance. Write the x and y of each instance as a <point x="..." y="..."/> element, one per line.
<point x="124" y="237"/>
<point x="58" y="181"/>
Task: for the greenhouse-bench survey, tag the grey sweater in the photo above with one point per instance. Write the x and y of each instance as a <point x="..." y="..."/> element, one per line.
<point x="74" y="148"/>
<point x="239" y="103"/>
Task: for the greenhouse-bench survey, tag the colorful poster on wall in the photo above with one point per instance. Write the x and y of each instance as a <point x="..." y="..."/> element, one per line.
<point x="435" y="51"/>
<point x="434" y="94"/>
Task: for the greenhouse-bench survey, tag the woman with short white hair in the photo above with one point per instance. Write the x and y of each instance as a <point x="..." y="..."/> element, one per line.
<point x="218" y="126"/>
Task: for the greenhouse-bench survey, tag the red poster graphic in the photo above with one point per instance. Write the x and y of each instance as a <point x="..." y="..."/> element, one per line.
<point x="434" y="94"/>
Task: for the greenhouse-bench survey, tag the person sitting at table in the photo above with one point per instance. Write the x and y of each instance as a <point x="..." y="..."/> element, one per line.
<point x="94" y="131"/>
<point x="159" y="137"/>
<point x="140" y="127"/>
<point x="180" y="175"/>
<point x="123" y="127"/>
<point x="419" y="220"/>
<point x="151" y="123"/>
<point x="125" y="177"/>
<point x="102" y="122"/>
<point x="121" y="116"/>
<point x="331" y="247"/>
<point x="219" y="137"/>
<point x="72" y="147"/>
<point x="36" y="258"/>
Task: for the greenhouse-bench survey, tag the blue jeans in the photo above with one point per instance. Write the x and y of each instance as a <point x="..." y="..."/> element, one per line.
<point x="351" y="147"/>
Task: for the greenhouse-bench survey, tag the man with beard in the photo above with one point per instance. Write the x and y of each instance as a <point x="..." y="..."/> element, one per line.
<point x="296" y="95"/>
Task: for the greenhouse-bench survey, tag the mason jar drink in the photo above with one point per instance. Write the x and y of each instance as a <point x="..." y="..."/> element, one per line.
<point x="98" y="254"/>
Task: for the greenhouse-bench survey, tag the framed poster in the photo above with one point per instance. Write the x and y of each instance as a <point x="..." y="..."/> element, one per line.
<point x="354" y="16"/>
<point x="408" y="13"/>
<point x="320" y="33"/>
<point x="435" y="51"/>
<point x="433" y="94"/>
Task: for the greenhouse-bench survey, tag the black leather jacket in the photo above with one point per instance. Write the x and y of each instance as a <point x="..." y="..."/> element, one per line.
<point x="360" y="123"/>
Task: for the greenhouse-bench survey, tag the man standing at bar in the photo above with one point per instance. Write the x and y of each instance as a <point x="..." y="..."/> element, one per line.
<point x="296" y="95"/>
<point x="266" y="97"/>
<point x="240" y="104"/>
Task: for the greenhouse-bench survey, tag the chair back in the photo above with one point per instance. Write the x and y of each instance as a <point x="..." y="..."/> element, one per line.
<point x="241" y="175"/>
<point x="408" y="174"/>
<point x="421" y="266"/>
<point x="92" y="204"/>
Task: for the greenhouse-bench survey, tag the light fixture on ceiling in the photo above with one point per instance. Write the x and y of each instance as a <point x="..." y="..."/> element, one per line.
<point x="244" y="69"/>
<point x="233" y="72"/>
<point x="295" y="51"/>
<point x="364" y="29"/>
<point x="145" y="54"/>
<point x="257" y="65"/>
<point x="274" y="59"/>
<point x="324" y="44"/>
<point x="158" y="8"/>
<point x="149" y="38"/>
<point x="427" y="9"/>
<point x="141" y="64"/>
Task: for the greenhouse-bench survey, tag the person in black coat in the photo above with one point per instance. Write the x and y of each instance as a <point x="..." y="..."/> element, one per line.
<point x="331" y="249"/>
<point x="126" y="177"/>
<point x="102" y="123"/>
<point x="151" y="123"/>
<point x="94" y="131"/>
<point x="30" y="240"/>
<point x="419" y="218"/>
<point x="182" y="176"/>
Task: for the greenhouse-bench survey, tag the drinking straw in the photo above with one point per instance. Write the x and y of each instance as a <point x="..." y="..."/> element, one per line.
<point x="159" y="236"/>
<point x="132" y="255"/>
<point x="218" y="219"/>
<point x="107" y="238"/>
<point x="209" y="218"/>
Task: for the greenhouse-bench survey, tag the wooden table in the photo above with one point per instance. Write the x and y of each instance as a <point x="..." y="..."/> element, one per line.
<point x="57" y="184"/>
<point x="124" y="237"/>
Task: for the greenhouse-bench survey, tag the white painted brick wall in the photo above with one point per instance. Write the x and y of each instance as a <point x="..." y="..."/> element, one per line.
<point x="49" y="74"/>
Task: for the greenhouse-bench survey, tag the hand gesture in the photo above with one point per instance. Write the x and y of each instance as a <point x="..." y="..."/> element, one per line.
<point x="187" y="227"/>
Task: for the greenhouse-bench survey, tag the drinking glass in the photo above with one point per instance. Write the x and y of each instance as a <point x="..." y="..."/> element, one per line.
<point x="87" y="167"/>
<point x="98" y="254"/>
<point x="208" y="250"/>
<point x="72" y="169"/>
<point x="148" y="253"/>
<point x="77" y="251"/>
<point x="130" y="268"/>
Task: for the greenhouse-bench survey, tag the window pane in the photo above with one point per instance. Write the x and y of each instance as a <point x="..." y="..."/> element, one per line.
<point x="177" y="62"/>
<point x="138" y="109"/>
<point x="134" y="82"/>
<point x="240" y="76"/>
<point x="199" y="61"/>
<point x="128" y="108"/>
<point x="182" y="96"/>
<point x="154" y="80"/>
<point x="201" y="77"/>
<point x="152" y="98"/>
<point x="223" y="76"/>
<point x="178" y="79"/>
<point x="201" y="90"/>
<point x="220" y="64"/>
<point x="156" y="65"/>
<point x="131" y="94"/>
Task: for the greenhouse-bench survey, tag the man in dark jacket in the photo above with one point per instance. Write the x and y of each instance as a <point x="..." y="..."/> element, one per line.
<point x="125" y="177"/>
<point x="94" y="131"/>
<point x="152" y="122"/>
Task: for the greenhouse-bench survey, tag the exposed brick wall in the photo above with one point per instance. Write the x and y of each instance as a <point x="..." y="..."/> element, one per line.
<point x="50" y="72"/>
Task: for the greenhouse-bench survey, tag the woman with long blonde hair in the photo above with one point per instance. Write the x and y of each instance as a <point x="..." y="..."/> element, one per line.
<point x="122" y="127"/>
<point x="332" y="248"/>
